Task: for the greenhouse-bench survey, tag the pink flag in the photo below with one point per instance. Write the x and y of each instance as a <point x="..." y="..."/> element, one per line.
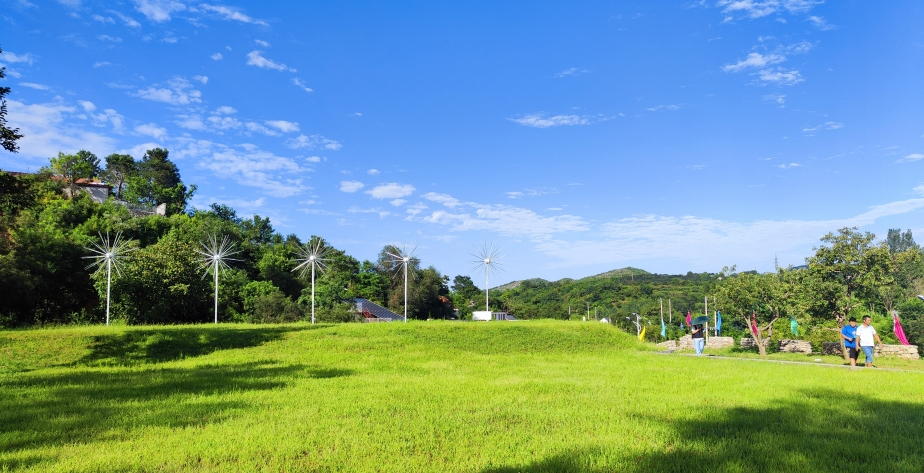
<point x="689" y="319"/>
<point x="897" y="328"/>
<point x="754" y="323"/>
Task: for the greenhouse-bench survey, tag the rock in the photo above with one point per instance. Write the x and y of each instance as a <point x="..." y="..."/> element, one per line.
<point x="795" y="346"/>
<point x="720" y="342"/>
<point x="905" y="352"/>
<point x="831" y="348"/>
<point x="669" y="345"/>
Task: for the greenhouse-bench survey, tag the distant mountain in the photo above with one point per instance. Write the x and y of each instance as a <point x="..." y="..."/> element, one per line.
<point x="616" y="273"/>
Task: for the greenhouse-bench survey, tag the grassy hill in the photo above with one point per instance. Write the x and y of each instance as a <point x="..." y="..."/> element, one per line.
<point x="438" y="396"/>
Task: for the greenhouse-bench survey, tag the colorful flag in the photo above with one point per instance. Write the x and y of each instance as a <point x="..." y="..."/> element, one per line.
<point x="897" y="328"/>
<point x="688" y="319"/>
<point x="754" y="323"/>
<point x="718" y="322"/>
<point x="641" y="336"/>
<point x="663" y="329"/>
<point x="794" y="326"/>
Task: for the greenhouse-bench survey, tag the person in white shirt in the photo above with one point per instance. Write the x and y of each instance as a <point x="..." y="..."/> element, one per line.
<point x="866" y="334"/>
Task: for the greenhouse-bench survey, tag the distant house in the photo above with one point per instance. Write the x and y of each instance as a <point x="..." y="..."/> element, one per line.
<point x="98" y="190"/>
<point x="372" y="312"/>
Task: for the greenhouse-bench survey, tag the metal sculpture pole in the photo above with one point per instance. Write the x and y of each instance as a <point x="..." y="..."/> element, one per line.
<point x="487" y="256"/>
<point x="214" y="256"/>
<point x="312" y="256"/>
<point x="110" y="252"/>
<point x="404" y="258"/>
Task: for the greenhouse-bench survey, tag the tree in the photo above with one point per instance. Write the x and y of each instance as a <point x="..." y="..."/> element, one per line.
<point x="899" y="242"/>
<point x="8" y="136"/>
<point x="73" y="167"/>
<point x="851" y="268"/>
<point x="759" y="300"/>
<point x="119" y="168"/>
<point x="158" y="182"/>
<point x="464" y="292"/>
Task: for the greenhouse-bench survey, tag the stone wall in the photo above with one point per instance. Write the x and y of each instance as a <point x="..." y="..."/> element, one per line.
<point x="720" y="342"/>
<point x="668" y="345"/>
<point x="795" y="346"/>
<point x="747" y="342"/>
<point x="905" y="352"/>
<point x="685" y="342"/>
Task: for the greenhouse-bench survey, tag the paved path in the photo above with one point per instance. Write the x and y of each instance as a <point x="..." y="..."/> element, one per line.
<point x="785" y="362"/>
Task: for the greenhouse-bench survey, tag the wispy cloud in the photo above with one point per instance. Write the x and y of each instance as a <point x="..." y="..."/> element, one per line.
<point x="351" y="186"/>
<point x="820" y="23"/>
<point x="373" y="172"/>
<point x="789" y="166"/>
<point x="572" y="71"/>
<point x="229" y="14"/>
<point x="106" y="37"/>
<point x="49" y="128"/>
<point x="298" y="82"/>
<point x="255" y="58"/>
<point x="392" y="190"/>
<point x="781" y="77"/>
<point x="776" y="98"/>
<point x="658" y="108"/>
<point x="203" y="79"/>
<point x="178" y="92"/>
<point x="11" y="58"/>
<point x="313" y="142"/>
<point x="762" y="8"/>
<point x="216" y="56"/>
<point x="247" y="165"/>
<point x="158" y="10"/>
<point x="129" y="21"/>
<point x="754" y="60"/>
<point x="151" y="130"/>
<point x="541" y="120"/>
<point x="911" y="158"/>
<point x="33" y="85"/>
<point x="824" y="126"/>
<point x="262" y="43"/>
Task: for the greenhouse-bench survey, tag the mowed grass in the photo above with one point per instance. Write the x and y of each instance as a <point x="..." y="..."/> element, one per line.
<point x="480" y="397"/>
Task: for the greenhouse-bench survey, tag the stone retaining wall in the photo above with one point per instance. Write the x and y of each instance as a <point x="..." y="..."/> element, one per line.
<point x="747" y="342"/>
<point x="905" y="352"/>
<point x="720" y="342"/>
<point x="668" y="345"/>
<point x="795" y="346"/>
<point x="686" y="343"/>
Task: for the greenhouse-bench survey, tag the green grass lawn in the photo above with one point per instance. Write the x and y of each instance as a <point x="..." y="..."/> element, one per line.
<point x="480" y="397"/>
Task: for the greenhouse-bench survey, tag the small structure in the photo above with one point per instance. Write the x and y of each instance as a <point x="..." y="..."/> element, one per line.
<point x="98" y="190"/>
<point x="372" y="312"/>
<point x="486" y="316"/>
<point x="795" y="346"/>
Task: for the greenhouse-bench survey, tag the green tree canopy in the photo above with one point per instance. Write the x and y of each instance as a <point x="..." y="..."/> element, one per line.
<point x="73" y="167"/>
<point x="8" y="136"/>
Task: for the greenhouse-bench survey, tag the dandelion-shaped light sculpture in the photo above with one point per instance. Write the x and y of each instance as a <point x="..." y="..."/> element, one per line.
<point x="214" y="257"/>
<point x="312" y="256"/>
<point x="404" y="258"/>
<point x="107" y="254"/>
<point x="487" y="257"/>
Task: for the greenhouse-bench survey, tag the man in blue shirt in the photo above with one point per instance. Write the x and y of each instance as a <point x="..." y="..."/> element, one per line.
<point x="849" y="334"/>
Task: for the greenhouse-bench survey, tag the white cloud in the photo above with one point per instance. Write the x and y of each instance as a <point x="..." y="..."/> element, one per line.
<point x="35" y="86"/>
<point x="283" y="126"/>
<point x="47" y="129"/>
<point x="539" y="120"/>
<point x="313" y="142"/>
<point x="788" y="166"/>
<point x="180" y="92"/>
<point x="247" y="165"/>
<point x="571" y="71"/>
<point x="776" y="98"/>
<point x="373" y="172"/>
<point x="392" y="190"/>
<point x="224" y="110"/>
<point x="254" y="58"/>
<point x="262" y="43"/>
<point x="11" y="58"/>
<point x="191" y="122"/>
<point x="203" y="79"/>
<point x="258" y="128"/>
<point x="663" y="107"/>
<point x="301" y="85"/>
<point x="108" y="117"/>
<point x="151" y="130"/>
<point x="824" y="126"/>
<point x="781" y="77"/>
<point x="758" y="8"/>
<point x="313" y="159"/>
<point x="398" y="202"/>
<point x="216" y="56"/>
<point x="87" y="105"/>
<point x="445" y="199"/>
<point x="351" y="186"/>
<point x="224" y="123"/>
<point x="506" y="220"/>
<point x="170" y="39"/>
<point x="106" y="37"/>
<point x="911" y="158"/>
<point x="101" y="64"/>
<point x="755" y="60"/>
<point x="103" y="19"/>
<point x="230" y="14"/>
<point x="129" y="21"/>
<point x="515" y="194"/>
<point x="158" y="10"/>
<point x="703" y="241"/>
<point x="820" y="23"/>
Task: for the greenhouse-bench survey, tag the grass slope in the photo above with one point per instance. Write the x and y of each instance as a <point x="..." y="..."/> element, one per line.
<point x="491" y="397"/>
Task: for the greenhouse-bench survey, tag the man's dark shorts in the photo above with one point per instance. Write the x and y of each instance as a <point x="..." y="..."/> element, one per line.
<point x="853" y="353"/>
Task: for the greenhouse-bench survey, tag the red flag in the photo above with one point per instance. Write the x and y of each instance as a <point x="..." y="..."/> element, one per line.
<point x="689" y="319"/>
<point x="754" y="323"/>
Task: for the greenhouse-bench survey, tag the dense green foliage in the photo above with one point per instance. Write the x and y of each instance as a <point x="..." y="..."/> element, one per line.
<point x="8" y="136"/>
<point x="43" y="269"/>
<point x="534" y="396"/>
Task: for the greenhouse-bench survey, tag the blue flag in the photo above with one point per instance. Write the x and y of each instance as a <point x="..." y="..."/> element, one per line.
<point x="718" y="322"/>
<point x="663" y="329"/>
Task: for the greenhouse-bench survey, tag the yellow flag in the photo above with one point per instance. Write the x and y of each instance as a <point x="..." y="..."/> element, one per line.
<point x="641" y="336"/>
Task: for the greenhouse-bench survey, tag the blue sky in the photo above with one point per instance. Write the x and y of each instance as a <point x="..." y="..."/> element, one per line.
<point x="578" y="136"/>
